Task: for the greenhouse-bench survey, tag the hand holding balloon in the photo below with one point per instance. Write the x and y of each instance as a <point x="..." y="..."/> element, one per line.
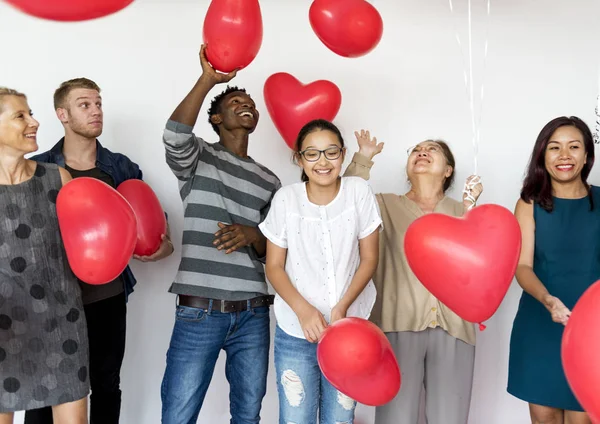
<point x="338" y="312"/>
<point x="164" y="250"/>
<point x="209" y="73"/>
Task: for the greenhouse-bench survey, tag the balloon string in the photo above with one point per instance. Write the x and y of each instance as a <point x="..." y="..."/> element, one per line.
<point x="468" y="76"/>
<point x="469" y="185"/>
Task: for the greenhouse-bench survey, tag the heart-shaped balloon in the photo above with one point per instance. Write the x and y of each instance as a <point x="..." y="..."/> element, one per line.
<point x="292" y="104"/>
<point x="233" y="32"/>
<point x="357" y="359"/>
<point x="580" y="347"/>
<point x="69" y="10"/>
<point x="98" y="228"/>
<point x="467" y="263"/>
<point x="350" y="28"/>
<point x="151" y="220"/>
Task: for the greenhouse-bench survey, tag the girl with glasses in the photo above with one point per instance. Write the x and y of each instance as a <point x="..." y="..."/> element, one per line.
<point x="322" y="249"/>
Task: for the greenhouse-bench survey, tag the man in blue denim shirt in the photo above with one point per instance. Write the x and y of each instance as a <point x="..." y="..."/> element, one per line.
<point x="79" y="107"/>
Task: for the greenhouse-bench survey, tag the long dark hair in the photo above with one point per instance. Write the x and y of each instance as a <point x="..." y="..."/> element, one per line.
<point x="537" y="186"/>
<point x="312" y="126"/>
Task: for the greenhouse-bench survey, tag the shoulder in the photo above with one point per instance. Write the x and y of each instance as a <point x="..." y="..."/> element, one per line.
<point x="524" y="210"/>
<point x="130" y="168"/>
<point x="65" y="176"/>
<point x="43" y="157"/>
<point x="290" y="190"/>
<point x="357" y="185"/>
<point x="453" y="207"/>
<point x="271" y="177"/>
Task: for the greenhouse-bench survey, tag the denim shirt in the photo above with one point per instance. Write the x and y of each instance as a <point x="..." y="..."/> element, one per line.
<point x="118" y="166"/>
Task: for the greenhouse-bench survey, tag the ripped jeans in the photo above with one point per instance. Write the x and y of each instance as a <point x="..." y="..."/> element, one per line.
<point x="302" y="387"/>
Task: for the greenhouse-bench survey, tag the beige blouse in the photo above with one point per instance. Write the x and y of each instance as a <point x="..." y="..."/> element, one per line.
<point x="403" y="303"/>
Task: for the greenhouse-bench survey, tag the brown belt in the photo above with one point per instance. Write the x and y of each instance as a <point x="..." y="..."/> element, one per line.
<point x="225" y="305"/>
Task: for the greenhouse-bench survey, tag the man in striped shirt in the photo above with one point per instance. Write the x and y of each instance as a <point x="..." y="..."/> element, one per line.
<point x="223" y="302"/>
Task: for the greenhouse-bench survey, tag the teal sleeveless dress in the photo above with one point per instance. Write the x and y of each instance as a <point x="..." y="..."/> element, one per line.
<point x="567" y="261"/>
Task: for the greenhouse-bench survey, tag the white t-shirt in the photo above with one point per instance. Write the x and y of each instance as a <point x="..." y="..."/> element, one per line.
<point x="322" y="246"/>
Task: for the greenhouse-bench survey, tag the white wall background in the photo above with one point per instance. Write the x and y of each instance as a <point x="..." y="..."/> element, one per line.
<point x="542" y="63"/>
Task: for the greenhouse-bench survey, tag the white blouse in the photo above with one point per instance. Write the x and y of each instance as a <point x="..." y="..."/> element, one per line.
<point x="322" y="246"/>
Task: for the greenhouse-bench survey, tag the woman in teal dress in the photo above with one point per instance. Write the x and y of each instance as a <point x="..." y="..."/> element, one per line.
<point x="559" y="215"/>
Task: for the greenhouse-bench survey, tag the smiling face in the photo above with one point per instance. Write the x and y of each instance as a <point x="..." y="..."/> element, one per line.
<point x="565" y="154"/>
<point x="18" y="129"/>
<point x="322" y="168"/>
<point x="236" y="111"/>
<point x="82" y="113"/>
<point x="428" y="158"/>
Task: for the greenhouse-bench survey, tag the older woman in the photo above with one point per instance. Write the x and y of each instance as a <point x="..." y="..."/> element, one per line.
<point x="43" y="337"/>
<point x="559" y="215"/>
<point x="435" y="348"/>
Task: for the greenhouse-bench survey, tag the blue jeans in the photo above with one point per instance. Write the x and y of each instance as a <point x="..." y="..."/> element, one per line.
<point x="198" y="337"/>
<point x="303" y="389"/>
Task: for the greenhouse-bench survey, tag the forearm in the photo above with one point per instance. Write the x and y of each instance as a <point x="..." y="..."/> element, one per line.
<point x="361" y="278"/>
<point x="260" y="244"/>
<point x="359" y="167"/>
<point x="530" y="283"/>
<point x="189" y="108"/>
<point x="284" y="288"/>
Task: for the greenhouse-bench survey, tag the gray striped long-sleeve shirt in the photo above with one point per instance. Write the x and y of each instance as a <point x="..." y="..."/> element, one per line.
<point x="217" y="186"/>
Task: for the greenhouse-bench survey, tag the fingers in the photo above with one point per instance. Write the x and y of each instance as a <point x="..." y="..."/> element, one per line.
<point x="228" y="243"/>
<point x="237" y="246"/>
<point x="224" y="229"/>
<point x="309" y="333"/>
<point x="379" y="147"/>
<point x="230" y="75"/>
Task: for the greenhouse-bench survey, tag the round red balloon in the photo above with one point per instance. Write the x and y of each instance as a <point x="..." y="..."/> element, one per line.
<point x="467" y="263"/>
<point x="233" y="32"/>
<point x="70" y="10"/>
<point x="350" y="28"/>
<point x="292" y="104"/>
<point x="358" y="360"/>
<point x="98" y="228"/>
<point x="580" y="347"/>
<point x="151" y="221"/>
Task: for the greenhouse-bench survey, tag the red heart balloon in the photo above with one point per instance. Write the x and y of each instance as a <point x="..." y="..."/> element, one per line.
<point x="292" y="104"/>
<point x="151" y="221"/>
<point x="467" y="263"/>
<point x="233" y="32"/>
<point x="580" y="347"/>
<point x="350" y="28"/>
<point x="357" y="359"/>
<point x="98" y="228"/>
<point x="69" y="10"/>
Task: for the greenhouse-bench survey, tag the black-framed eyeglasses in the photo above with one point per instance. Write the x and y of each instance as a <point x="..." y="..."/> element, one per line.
<point x="313" y="155"/>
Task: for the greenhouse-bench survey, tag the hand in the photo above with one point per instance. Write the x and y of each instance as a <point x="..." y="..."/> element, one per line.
<point x="164" y="250"/>
<point x="560" y="313"/>
<point x="209" y="72"/>
<point x="338" y="312"/>
<point x="233" y="237"/>
<point x="472" y="191"/>
<point x="367" y="146"/>
<point x="312" y="322"/>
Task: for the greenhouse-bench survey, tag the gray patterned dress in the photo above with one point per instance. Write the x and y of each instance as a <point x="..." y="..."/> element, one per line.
<point x="43" y="334"/>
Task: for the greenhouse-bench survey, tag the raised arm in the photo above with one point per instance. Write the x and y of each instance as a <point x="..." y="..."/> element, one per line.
<point x="189" y="108"/>
<point x="181" y="145"/>
<point x="362" y="161"/>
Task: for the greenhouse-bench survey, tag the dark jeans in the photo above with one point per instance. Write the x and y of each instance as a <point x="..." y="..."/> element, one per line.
<point x="106" y="322"/>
